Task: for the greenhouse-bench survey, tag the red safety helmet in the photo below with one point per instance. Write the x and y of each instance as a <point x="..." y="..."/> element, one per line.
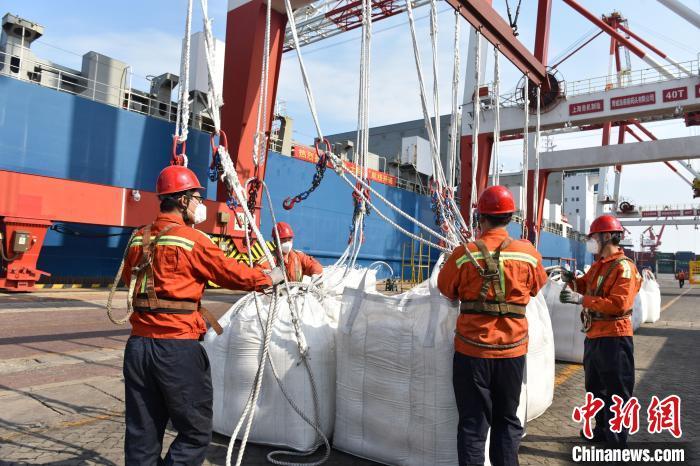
<point x="604" y="224"/>
<point x="285" y="231"/>
<point x="496" y="200"/>
<point x="175" y="179"/>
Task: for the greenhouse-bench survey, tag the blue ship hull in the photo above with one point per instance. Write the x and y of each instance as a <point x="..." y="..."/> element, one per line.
<point x="51" y="133"/>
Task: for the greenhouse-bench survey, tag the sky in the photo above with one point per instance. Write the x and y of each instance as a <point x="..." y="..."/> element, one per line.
<point x="148" y="34"/>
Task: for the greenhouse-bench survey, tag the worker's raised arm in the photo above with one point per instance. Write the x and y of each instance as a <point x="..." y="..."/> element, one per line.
<point x="212" y="264"/>
<point x="309" y="265"/>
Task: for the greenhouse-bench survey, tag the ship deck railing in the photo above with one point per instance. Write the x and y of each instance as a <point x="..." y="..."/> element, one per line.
<point x="63" y="79"/>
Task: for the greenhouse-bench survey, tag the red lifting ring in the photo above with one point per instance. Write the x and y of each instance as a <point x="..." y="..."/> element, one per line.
<point x="178" y="159"/>
<point x="223" y="141"/>
<point x="318" y="150"/>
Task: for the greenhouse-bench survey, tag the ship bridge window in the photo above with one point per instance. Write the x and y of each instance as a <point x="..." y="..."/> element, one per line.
<point x="14" y="64"/>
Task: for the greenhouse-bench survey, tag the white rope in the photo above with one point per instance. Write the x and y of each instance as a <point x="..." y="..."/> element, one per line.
<point x="341" y="169"/>
<point x="302" y="67"/>
<point x="421" y="81"/>
<point x="476" y="102"/>
<point x="183" y="104"/>
<point x="436" y="84"/>
<point x="455" y="118"/>
<point x="214" y="99"/>
<point x="536" y="181"/>
<point x="496" y="175"/>
<point x="449" y="210"/>
<point x="526" y="149"/>
<point x="260" y="141"/>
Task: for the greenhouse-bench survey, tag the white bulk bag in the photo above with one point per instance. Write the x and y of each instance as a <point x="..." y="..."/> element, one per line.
<point x="640" y="310"/>
<point x="336" y="278"/>
<point x="566" y="323"/>
<point x="650" y="288"/>
<point x="234" y="358"/>
<point x="394" y="396"/>
<point x="539" y="378"/>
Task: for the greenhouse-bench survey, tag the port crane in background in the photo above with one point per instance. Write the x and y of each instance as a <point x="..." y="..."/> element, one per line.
<point x="625" y="99"/>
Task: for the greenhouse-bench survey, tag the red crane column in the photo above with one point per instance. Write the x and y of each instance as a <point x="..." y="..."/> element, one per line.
<point x="534" y="225"/>
<point x="245" y="35"/>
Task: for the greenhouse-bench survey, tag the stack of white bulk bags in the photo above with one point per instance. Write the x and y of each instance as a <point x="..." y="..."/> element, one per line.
<point x="394" y="397"/>
<point x="650" y="288"/>
<point x="566" y="323"/>
<point x="234" y="360"/>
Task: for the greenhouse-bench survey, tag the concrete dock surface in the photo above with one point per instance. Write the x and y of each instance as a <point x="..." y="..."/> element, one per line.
<point x="61" y="385"/>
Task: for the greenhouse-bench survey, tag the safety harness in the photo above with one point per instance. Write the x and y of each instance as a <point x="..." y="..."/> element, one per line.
<point x="491" y="276"/>
<point x="588" y="316"/>
<point x="142" y="295"/>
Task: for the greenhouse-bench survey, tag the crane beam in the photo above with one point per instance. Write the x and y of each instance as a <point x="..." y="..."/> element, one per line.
<point x="661" y="221"/>
<point x="683" y="148"/>
<point x="481" y="15"/>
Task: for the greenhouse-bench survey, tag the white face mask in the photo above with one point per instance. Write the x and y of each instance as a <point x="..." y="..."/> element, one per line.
<point x="592" y="246"/>
<point x="200" y="214"/>
<point x="286" y="247"/>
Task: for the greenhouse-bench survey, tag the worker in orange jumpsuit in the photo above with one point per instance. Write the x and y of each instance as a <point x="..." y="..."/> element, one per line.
<point x="166" y="370"/>
<point x="296" y="263"/>
<point x="494" y="278"/>
<point x="681" y="278"/>
<point x="607" y="293"/>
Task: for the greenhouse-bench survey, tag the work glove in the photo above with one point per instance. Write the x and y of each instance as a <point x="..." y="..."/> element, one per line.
<point x="317" y="280"/>
<point x="567" y="276"/>
<point x="570" y="297"/>
<point x="276" y="275"/>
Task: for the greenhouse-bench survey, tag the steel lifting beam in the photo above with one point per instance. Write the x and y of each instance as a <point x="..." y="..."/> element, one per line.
<point x="481" y="15"/>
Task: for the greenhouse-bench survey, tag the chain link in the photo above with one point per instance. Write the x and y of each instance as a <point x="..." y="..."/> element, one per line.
<point x="321" y="165"/>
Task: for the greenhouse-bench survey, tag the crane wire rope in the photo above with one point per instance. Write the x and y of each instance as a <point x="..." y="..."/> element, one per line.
<point x="455" y="117"/>
<point x="496" y="173"/>
<point x="536" y="178"/>
<point x="526" y="149"/>
<point x="260" y="140"/>
<point x="476" y="116"/>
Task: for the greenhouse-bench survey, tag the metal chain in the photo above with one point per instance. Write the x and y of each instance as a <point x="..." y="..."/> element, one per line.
<point x="513" y="21"/>
<point x="321" y="166"/>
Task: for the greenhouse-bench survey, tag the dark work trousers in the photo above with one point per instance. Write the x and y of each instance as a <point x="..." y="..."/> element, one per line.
<point x="681" y="282"/>
<point x="166" y="379"/>
<point x="608" y="364"/>
<point x="487" y="391"/>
